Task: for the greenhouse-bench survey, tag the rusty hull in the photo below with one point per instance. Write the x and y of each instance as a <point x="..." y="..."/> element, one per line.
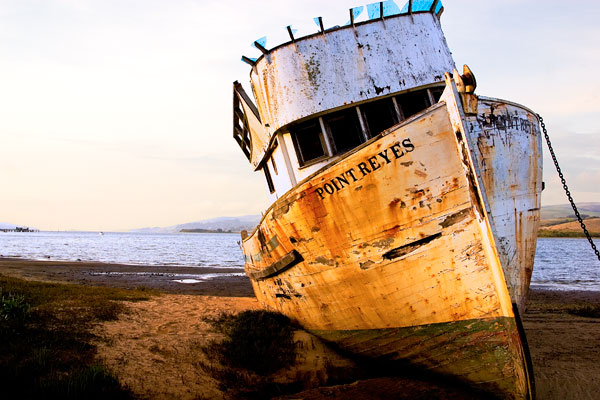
<point x="395" y="242"/>
<point x="507" y="148"/>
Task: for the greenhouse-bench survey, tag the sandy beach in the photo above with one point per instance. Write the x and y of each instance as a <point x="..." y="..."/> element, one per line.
<point x="153" y="347"/>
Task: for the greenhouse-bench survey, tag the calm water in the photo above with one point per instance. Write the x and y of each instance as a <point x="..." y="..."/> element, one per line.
<point x="566" y="264"/>
<point x="559" y="263"/>
<point x="192" y="249"/>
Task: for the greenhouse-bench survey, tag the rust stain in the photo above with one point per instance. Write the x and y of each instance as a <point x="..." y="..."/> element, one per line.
<point x="325" y="261"/>
<point x="395" y="202"/>
<point x="383" y="243"/>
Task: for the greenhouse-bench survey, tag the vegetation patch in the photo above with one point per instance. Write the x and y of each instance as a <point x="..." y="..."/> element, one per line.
<point x="46" y="349"/>
<point x="13" y="308"/>
<point x="590" y="311"/>
<point x="255" y="344"/>
<point x="556" y="221"/>
<point x="565" y="234"/>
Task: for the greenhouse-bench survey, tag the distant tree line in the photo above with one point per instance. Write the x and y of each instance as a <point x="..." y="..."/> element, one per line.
<point x="18" y="229"/>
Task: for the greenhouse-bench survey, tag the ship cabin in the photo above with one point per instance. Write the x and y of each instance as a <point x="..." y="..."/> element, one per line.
<point x="320" y="96"/>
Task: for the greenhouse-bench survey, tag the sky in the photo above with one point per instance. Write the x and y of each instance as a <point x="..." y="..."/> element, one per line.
<point x="117" y="114"/>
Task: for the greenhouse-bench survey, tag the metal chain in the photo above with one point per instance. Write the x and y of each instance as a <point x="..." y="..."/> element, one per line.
<point x="564" y="183"/>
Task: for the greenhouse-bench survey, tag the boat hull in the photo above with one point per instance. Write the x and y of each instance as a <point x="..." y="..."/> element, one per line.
<point x="506" y="144"/>
<point x="389" y="252"/>
<point x="481" y="351"/>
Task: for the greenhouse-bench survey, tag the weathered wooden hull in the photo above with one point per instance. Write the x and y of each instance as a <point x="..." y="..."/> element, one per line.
<point x="480" y="351"/>
<point x="389" y="252"/>
<point x="507" y="150"/>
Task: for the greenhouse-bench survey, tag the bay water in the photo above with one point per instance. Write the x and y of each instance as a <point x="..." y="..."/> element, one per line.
<point x="562" y="264"/>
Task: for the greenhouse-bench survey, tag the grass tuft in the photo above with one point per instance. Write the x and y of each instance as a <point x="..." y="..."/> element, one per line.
<point x="13" y="308"/>
<point x="46" y="351"/>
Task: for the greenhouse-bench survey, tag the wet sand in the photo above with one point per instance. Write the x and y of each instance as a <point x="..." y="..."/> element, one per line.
<point x="128" y="276"/>
<point x="153" y="347"/>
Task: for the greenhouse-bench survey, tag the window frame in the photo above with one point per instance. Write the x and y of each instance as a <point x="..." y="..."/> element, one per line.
<point x="268" y="176"/>
<point x="298" y="148"/>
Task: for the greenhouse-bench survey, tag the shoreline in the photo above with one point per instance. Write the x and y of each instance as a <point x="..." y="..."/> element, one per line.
<point x="126" y="276"/>
<point x="563" y="346"/>
<point x="163" y="277"/>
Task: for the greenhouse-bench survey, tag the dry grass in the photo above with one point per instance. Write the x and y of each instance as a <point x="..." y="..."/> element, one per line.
<point x="45" y="351"/>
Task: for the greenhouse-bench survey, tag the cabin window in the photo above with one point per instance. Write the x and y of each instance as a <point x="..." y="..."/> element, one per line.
<point x="344" y="128"/>
<point x="308" y="141"/>
<point x="268" y="178"/>
<point x="413" y="102"/>
<point x="437" y="93"/>
<point x="275" y="144"/>
<point x="274" y="165"/>
<point x="379" y="115"/>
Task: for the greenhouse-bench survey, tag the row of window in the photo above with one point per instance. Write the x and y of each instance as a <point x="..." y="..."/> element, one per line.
<point x="339" y="132"/>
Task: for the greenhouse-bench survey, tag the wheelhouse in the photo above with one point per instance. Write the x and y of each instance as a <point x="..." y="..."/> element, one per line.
<point x="321" y="96"/>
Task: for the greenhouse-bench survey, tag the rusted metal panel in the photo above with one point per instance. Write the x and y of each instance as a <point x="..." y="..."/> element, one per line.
<point x="348" y="65"/>
<point x="394" y="236"/>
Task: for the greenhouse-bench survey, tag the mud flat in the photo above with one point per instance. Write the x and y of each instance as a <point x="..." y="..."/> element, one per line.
<point x="564" y="346"/>
<point x="154" y="347"/>
<point x="163" y="278"/>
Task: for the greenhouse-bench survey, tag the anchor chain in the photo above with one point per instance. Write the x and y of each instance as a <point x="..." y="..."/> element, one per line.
<point x="566" y="188"/>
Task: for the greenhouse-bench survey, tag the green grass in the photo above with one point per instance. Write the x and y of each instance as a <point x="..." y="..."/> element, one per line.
<point x="45" y="339"/>
<point x="566" y="234"/>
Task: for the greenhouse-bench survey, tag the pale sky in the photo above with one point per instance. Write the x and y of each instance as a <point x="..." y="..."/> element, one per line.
<point x="116" y="114"/>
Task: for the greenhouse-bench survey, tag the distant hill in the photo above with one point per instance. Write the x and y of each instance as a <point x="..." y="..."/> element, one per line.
<point x="571" y="229"/>
<point x="225" y="224"/>
<point x="565" y="211"/>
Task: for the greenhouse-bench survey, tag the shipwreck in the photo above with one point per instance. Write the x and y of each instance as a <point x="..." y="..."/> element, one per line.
<point x="405" y="207"/>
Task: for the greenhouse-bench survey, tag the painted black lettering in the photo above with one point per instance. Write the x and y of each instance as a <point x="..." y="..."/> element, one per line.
<point x="373" y="162"/>
<point x="397" y="150"/>
<point x="328" y="188"/>
<point x="383" y="155"/>
<point x="363" y="168"/>
<point x="351" y="173"/>
<point x="408" y="146"/>
<point x="320" y="193"/>
<point x="334" y="185"/>
<point x="341" y="180"/>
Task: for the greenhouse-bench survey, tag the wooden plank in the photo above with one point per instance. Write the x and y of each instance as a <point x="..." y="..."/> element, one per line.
<point x="286" y="262"/>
